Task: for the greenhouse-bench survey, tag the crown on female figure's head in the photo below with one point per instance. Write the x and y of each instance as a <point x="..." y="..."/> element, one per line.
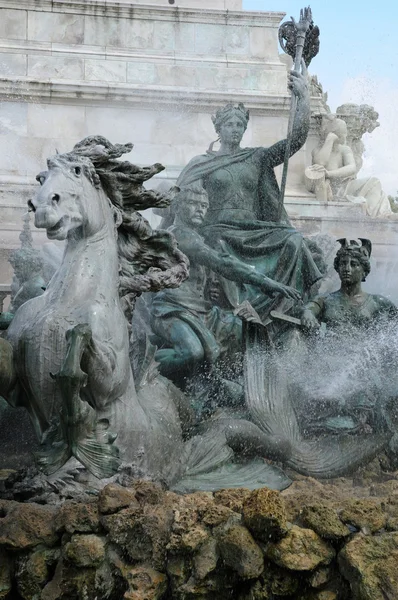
<point x="224" y="113"/>
<point x="352" y="247"/>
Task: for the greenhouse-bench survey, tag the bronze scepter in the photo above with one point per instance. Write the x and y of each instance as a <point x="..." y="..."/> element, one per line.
<point x="301" y="41"/>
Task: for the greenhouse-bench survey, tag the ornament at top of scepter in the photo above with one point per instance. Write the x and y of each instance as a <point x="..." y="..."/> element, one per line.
<point x="288" y="36"/>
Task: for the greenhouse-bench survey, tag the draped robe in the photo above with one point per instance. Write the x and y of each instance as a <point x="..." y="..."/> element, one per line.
<point x="260" y="234"/>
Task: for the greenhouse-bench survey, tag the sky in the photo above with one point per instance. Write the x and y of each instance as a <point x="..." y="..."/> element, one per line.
<point x="357" y="62"/>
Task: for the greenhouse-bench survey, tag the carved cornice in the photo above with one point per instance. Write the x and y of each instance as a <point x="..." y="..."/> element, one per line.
<point x="94" y="93"/>
<point x="27" y="89"/>
<point x="30" y="47"/>
<point x="130" y="10"/>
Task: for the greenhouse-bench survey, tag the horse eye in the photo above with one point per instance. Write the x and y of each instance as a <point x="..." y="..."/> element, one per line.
<point x="77" y="170"/>
<point x="31" y="206"/>
<point x="40" y="179"/>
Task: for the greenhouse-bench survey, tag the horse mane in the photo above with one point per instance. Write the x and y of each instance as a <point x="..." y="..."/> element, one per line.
<point x="149" y="260"/>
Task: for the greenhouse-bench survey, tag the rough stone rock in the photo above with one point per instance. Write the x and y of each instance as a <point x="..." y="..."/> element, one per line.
<point x="324" y="521"/>
<point x="216" y="514"/>
<point x="185" y="517"/>
<point x="202" y="508"/>
<point x="384" y="489"/>
<point x="114" y="497"/>
<point x="142" y="533"/>
<point x="392" y="523"/>
<point x="205" y="560"/>
<point x="186" y="584"/>
<point x="321" y="576"/>
<point x="33" y="571"/>
<point x="199" y="501"/>
<point x="319" y="595"/>
<point x="144" y="583"/>
<point x="85" y="550"/>
<point x="188" y="541"/>
<point x="300" y="550"/>
<point x="239" y="551"/>
<point x="188" y="532"/>
<point x="179" y="569"/>
<point x="370" y="565"/>
<point x="27" y="525"/>
<point x="264" y="515"/>
<point x="148" y="492"/>
<point x="200" y="546"/>
<point x="134" y="579"/>
<point x="326" y="595"/>
<point x="303" y="492"/>
<point x="5" y="574"/>
<point x="392" y="512"/>
<point x="77" y="517"/>
<point x="281" y="582"/>
<point x="70" y="582"/>
<point x="233" y="499"/>
<point x="257" y="591"/>
<point x="219" y="585"/>
<point x="366" y="514"/>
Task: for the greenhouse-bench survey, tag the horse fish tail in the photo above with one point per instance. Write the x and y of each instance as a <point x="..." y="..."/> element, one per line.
<point x="266" y="392"/>
<point x="334" y="456"/>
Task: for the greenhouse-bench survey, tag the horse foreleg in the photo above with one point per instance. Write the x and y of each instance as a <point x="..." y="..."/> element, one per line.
<point x="109" y="372"/>
<point x="8" y="375"/>
<point x="71" y="379"/>
<point x="79" y="432"/>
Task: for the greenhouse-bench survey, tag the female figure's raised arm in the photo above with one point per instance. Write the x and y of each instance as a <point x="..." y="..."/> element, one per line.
<point x="301" y="125"/>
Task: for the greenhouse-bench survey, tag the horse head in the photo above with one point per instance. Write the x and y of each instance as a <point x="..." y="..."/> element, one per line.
<point x="70" y="202"/>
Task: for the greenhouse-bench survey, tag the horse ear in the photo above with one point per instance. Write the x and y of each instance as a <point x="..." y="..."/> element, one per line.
<point x="343" y="242"/>
<point x="367" y="244"/>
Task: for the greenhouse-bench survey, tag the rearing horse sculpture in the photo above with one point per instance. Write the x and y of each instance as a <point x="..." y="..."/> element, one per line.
<point x="70" y="346"/>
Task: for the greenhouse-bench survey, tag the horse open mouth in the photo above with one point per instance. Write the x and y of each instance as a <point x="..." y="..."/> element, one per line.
<point x="55" y="230"/>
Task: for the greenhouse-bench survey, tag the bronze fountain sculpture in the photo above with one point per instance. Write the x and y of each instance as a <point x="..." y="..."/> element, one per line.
<point x="66" y="356"/>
